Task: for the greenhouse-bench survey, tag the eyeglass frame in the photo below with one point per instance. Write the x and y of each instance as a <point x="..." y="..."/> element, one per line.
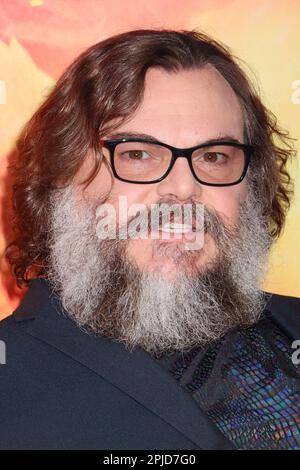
<point x="176" y="153"/>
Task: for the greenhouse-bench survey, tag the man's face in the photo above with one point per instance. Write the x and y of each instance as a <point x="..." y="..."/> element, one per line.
<point x="182" y="109"/>
<point x="139" y="290"/>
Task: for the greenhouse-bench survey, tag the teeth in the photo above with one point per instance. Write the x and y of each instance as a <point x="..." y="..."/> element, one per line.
<point x="176" y="228"/>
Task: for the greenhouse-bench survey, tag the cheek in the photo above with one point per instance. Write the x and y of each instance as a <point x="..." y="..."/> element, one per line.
<point x="101" y="184"/>
<point x="119" y="194"/>
<point x="134" y="193"/>
<point x="105" y="184"/>
<point x="126" y="197"/>
<point x="227" y="200"/>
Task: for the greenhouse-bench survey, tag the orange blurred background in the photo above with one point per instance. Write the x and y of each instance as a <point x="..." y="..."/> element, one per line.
<point x="40" y="38"/>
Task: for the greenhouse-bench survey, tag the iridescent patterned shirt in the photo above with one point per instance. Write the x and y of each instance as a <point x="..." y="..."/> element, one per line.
<point x="247" y="384"/>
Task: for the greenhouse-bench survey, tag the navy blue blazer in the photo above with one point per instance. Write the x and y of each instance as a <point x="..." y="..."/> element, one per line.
<point x="62" y="388"/>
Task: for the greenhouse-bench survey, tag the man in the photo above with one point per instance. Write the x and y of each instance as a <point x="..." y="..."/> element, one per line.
<point x="141" y="336"/>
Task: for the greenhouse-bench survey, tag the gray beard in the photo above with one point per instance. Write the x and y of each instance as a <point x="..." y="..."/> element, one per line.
<point x="105" y="292"/>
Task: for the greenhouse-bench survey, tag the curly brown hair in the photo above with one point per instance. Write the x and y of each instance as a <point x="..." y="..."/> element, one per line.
<point x="105" y="84"/>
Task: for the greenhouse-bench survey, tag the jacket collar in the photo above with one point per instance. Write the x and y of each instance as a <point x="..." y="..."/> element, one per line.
<point x="134" y="372"/>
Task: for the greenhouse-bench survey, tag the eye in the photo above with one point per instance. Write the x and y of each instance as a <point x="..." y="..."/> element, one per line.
<point x="136" y="154"/>
<point x="214" y="157"/>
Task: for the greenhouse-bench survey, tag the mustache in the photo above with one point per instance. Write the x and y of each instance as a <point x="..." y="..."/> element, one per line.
<point x="147" y="218"/>
<point x="206" y="219"/>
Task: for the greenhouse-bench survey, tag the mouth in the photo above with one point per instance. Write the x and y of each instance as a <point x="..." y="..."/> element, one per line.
<point x="173" y="231"/>
<point x="177" y="228"/>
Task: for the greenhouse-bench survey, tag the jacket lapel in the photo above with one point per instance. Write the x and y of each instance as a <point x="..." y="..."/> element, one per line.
<point x="134" y="372"/>
<point x="285" y="313"/>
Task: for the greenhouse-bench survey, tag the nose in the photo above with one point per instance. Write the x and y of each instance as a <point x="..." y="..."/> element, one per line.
<point x="180" y="182"/>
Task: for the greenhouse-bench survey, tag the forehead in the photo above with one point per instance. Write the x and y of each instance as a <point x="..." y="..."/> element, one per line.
<point x="186" y="107"/>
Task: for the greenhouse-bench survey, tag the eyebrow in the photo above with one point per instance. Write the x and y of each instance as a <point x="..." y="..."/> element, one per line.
<point x="135" y="135"/>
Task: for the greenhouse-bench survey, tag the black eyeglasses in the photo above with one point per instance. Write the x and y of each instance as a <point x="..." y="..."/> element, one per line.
<point x="143" y="161"/>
